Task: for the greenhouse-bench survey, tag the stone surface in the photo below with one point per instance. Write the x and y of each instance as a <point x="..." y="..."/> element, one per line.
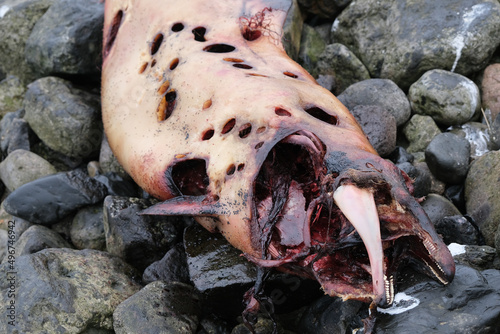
<point x="67" y="39"/>
<point x="478" y="257"/>
<point x="107" y="160"/>
<point x="324" y="8"/>
<point x="470" y="304"/>
<point x="478" y="136"/>
<point x="437" y="207"/>
<point x="16" y="22"/>
<point x="311" y="46"/>
<point x="402" y="39"/>
<point x="343" y="66"/>
<point x="159" y="307"/>
<point x="400" y="155"/>
<point x="21" y="167"/>
<point x="482" y="195"/>
<point x="379" y="92"/>
<point x="379" y="125"/>
<point x="171" y="268"/>
<point x="36" y="238"/>
<point x="447" y="156"/>
<point x="420" y="131"/>
<point x="6" y="128"/>
<point x="490" y="87"/>
<point x="65" y="118"/>
<point x="48" y="199"/>
<point x="292" y="31"/>
<point x="421" y="176"/>
<point x="138" y="239"/>
<point x="459" y="229"/>
<point x="11" y="94"/>
<point x="449" y="98"/>
<point x="66" y="291"/>
<point x="87" y="228"/>
<point x="17" y="136"/>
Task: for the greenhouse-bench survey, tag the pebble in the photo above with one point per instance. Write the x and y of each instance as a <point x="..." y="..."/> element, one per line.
<point x="160" y="307"/>
<point x="342" y="65"/>
<point x="311" y="46"/>
<point x="437" y="207"/>
<point x="420" y="175"/>
<point x="51" y="198"/>
<point x="460" y="230"/>
<point x="478" y="136"/>
<point x="482" y="196"/>
<point x="490" y="87"/>
<point x="11" y="94"/>
<point x="400" y="155"/>
<point x="379" y="92"/>
<point x="420" y="131"/>
<point x="38" y="237"/>
<point x="87" y="228"/>
<point x="171" y="268"/>
<point x="449" y="98"/>
<point x="447" y="156"/>
<point x="21" y="167"/>
<point x="65" y="118"/>
<point x="478" y="257"/>
<point x="379" y="125"/>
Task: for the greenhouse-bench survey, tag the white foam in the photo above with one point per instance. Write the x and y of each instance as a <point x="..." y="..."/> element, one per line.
<point x="335" y="25"/>
<point x="4" y="10"/>
<point x="456" y="249"/>
<point x="402" y="303"/>
<point x="468" y="17"/>
<point x="477" y="137"/>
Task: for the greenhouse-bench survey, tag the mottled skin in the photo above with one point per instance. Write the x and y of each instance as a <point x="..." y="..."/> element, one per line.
<point x="204" y="68"/>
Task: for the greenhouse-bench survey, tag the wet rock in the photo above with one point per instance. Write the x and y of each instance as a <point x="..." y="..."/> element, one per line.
<point x="477" y="257"/>
<point x="324" y="8"/>
<point x="17" y="19"/>
<point x="21" y="167"/>
<point x="420" y="174"/>
<point x="139" y="240"/>
<point x="449" y="98"/>
<point x="67" y="291"/>
<point x="311" y="46"/>
<point x="292" y="31"/>
<point x="478" y="136"/>
<point x="262" y="326"/>
<point x="437" y="207"/>
<point x="343" y="66"/>
<point x="17" y="136"/>
<point x="117" y="185"/>
<point x="171" y="268"/>
<point x="217" y="270"/>
<point x="213" y="325"/>
<point x="469" y="304"/>
<point x="401" y="40"/>
<point x="448" y="157"/>
<point x="36" y="238"/>
<point x="490" y="87"/>
<point x="420" y="131"/>
<point x="331" y="315"/>
<point x="459" y="229"/>
<point x="49" y="199"/>
<point x="11" y="94"/>
<point x="107" y="160"/>
<point x="6" y="128"/>
<point x="400" y="155"/>
<point x="379" y="92"/>
<point x="67" y="39"/>
<point x="482" y="196"/>
<point x="379" y="126"/>
<point x="495" y="133"/>
<point x="87" y="228"/>
<point x="160" y="307"/>
<point x="66" y="119"/>
<point x="455" y="194"/>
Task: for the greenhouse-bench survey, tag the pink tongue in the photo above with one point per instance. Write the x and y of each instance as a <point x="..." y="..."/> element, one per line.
<point x="291" y="225"/>
<point x="359" y="207"/>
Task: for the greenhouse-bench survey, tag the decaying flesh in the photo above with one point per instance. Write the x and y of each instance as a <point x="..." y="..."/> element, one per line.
<point x="204" y="109"/>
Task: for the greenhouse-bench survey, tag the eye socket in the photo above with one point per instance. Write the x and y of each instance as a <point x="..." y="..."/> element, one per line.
<point x="177" y="27"/>
<point x="219" y="48"/>
<point x="322" y="115"/>
<point x="190" y="177"/>
<point x="282" y="112"/>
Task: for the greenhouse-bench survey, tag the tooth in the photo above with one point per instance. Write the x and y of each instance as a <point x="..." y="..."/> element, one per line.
<point x="358" y="205"/>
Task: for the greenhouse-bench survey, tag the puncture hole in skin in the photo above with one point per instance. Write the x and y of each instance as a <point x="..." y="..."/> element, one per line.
<point x="219" y="48"/>
<point x="177" y="27"/>
<point x="228" y="126"/>
<point x="113" y="31"/>
<point x="155" y="46"/>
<point x="199" y="34"/>
<point x="322" y="115"/>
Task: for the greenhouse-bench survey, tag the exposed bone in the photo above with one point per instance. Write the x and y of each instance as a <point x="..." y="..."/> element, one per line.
<point x="358" y="205"/>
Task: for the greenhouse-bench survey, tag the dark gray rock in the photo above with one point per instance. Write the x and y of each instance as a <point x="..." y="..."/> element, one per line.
<point x="331" y="315"/>
<point x="66" y="291"/>
<point x="262" y="326"/>
<point x="66" y="119"/>
<point x="482" y="196"/>
<point x="420" y="131"/>
<point x="217" y="270"/>
<point x="437" y="207"/>
<point x="379" y="92"/>
<point x="159" y="307"/>
<point x="67" y="39"/>
<point x="343" y="66"/>
<point x="11" y="94"/>
<point x="449" y="98"/>
<point x="402" y="39"/>
<point x="107" y="160"/>
<point x="478" y="136"/>
<point x="324" y="8"/>
<point x="48" y="199"/>
<point x="5" y="128"/>
<point x="469" y="304"/>
<point x="171" y="268"/>
<point x="420" y="175"/>
<point x="36" y="238"/>
<point x="400" y="155"/>
<point x="117" y="185"/>
<point x="17" y="20"/>
<point x="87" y="228"/>
<point x="448" y="157"/>
<point x="478" y="257"/>
<point x="495" y="133"/>
<point x="21" y="167"/>
<point x="138" y="239"/>
<point x="460" y="230"/>
<point x="17" y="136"/>
<point x="379" y="126"/>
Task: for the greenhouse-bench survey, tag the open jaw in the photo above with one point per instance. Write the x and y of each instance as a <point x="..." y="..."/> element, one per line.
<point x="351" y="234"/>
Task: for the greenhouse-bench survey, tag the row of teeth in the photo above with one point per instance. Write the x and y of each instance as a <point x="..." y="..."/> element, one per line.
<point x="431" y="248"/>
<point x="389" y="289"/>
